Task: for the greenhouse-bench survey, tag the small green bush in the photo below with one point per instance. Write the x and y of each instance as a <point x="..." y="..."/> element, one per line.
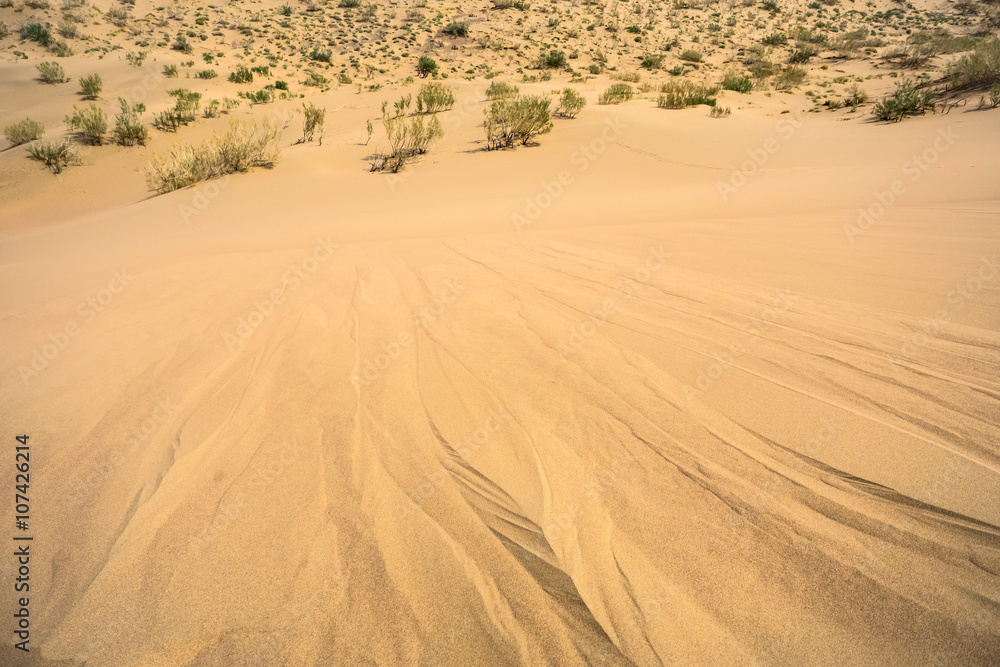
<point x="979" y="68"/>
<point x="23" y="131"/>
<point x="551" y="60"/>
<point x="137" y="58"/>
<point x="790" y="77"/>
<point x="518" y="119"/>
<point x="129" y="131"/>
<point x="427" y="64"/>
<point x="906" y="100"/>
<point x="321" y="55"/>
<point x="242" y="74"/>
<point x="170" y="71"/>
<point x="51" y="72"/>
<point x="36" y="32"/>
<point x="499" y="90"/>
<point x="682" y="93"/>
<point x="91" y="123"/>
<point x="263" y="96"/>
<point x="242" y="148"/>
<point x="434" y="97"/>
<point x="691" y="56"/>
<point x="457" y="29"/>
<point x="206" y="74"/>
<point x="776" y="39"/>
<point x="315" y="117"/>
<point x="616" y="94"/>
<point x="737" y="82"/>
<point x="570" y="103"/>
<point x="91" y="86"/>
<point x="652" y="61"/>
<point x="57" y="155"/>
<point x="803" y="54"/>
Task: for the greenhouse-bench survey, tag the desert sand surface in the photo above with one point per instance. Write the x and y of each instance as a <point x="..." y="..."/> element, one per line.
<point x="659" y="388"/>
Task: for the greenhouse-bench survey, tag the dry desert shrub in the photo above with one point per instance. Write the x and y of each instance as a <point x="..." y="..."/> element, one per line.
<point x="56" y="155"/>
<point x="434" y="97"/>
<point x="979" y="68"/>
<point x="51" y="72"/>
<point x="91" y="122"/>
<point x="406" y="139"/>
<point x="243" y="147"/>
<point x="616" y="94"/>
<point x="500" y="90"/>
<point x="91" y="86"/>
<point x="129" y="131"/>
<point x="23" y="131"/>
<point x="682" y="93"/>
<point x="519" y="119"/>
<point x="315" y="117"/>
<point x="570" y="103"/>
<point x="907" y="100"/>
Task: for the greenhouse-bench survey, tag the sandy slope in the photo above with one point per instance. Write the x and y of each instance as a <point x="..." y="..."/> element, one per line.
<point x="337" y="419"/>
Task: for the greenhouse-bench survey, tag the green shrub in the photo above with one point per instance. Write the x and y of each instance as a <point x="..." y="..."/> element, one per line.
<point x="51" y="72"/>
<point x="652" y="61"/>
<point x="137" y="58"/>
<point x="995" y="95"/>
<point x="263" y="70"/>
<point x="315" y="117"/>
<point x="36" y="32"/>
<point x="790" y="77"/>
<point x="91" y="86"/>
<point x="406" y="139"/>
<point x="856" y="95"/>
<point x="347" y="4"/>
<point x="803" y="54"/>
<point x="181" y="44"/>
<point x="906" y="100"/>
<point x="91" y="123"/>
<point x="692" y="56"/>
<point x="280" y="84"/>
<point x="321" y="55"/>
<point x="979" y="68"/>
<point x="285" y="10"/>
<point x="343" y="78"/>
<point x="170" y="71"/>
<point x="631" y="77"/>
<point x="499" y="90"/>
<point x="263" y="96"/>
<point x="570" y="103"/>
<point x="242" y="74"/>
<point x="427" y="64"/>
<point x="434" y="97"/>
<point x="682" y="93"/>
<point x="186" y="105"/>
<point x="206" y="74"/>
<point x="242" y="148"/>
<point x="551" y="60"/>
<point x="776" y="39"/>
<point x="315" y="79"/>
<point x="518" y="119"/>
<point x="737" y="82"/>
<point x="4" y="30"/>
<point x="616" y="94"/>
<point x="720" y="112"/>
<point x="23" y="131"/>
<point x="57" y="155"/>
<point x="457" y="29"/>
<point x="129" y="131"/>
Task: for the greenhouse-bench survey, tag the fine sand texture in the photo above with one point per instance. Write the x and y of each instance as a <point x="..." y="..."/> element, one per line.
<point x="660" y="389"/>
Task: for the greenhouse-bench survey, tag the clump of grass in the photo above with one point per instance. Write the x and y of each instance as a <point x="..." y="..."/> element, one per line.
<point x="36" y="32"/>
<point x="243" y="147"/>
<point x="406" y="139"/>
<point x="551" y="60"/>
<point x="776" y="39"/>
<point x="616" y="93"/>
<point x="242" y="74"/>
<point x="321" y="55"/>
<point x="206" y="74"/>
<point x="802" y="54"/>
<point x="170" y="71"/>
<point x="129" y="131"/>
<point x="979" y="68"/>
<point x="56" y="155"/>
<point x="215" y="107"/>
<point x="720" y="112"/>
<point x="740" y="83"/>
<point x="631" y="77"/>
<point x="136" y="58"/>
<point x="263" y="96"/>
<point x="790" y="77"/>
<point x="652" y="61"/>
<point x="91" y="86"/>
<point x="51" y="72"/>
<point x="856" y="96"/>
<point x="570" y="103"/>
<point x="434" y="97"/>
<point x="906" y="100"/>
<point x="91" y="122"/>
<point x="23" y="131"/>
<point x="519" y="119"/>
<point x="691" y="56"/>
<point x="500" y="90"/>
<point x="456" y="29"/>
<point x="186" y="105"/>
<point x="315" y="117"/>
<point x="682" y="93"/>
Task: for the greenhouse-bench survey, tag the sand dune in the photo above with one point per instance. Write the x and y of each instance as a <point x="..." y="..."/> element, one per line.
<point x="337" y="419"/>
